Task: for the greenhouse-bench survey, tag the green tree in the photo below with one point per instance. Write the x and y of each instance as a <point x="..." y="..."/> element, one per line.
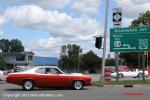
<point x="2" y="60"/>
<point x="92" y="61"/>
<point x="70" y="56"/>
<point x="4" y="45"/>
<point x="143" y="20"/>
<point x="16" y="46"/>
<point x="13" y="45"/>
<point x="110" y="62"/>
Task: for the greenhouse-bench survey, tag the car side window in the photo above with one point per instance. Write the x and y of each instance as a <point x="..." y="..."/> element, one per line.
<point x="57" y="71"/>
<point x="52" y="71"/>
<point x="40" y="70"/>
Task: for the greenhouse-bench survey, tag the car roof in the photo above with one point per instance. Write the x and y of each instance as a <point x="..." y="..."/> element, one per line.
<point x="46" y="67"/>
<point x="37" y="67"/>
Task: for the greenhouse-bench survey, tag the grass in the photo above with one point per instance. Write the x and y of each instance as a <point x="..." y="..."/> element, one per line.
<point x="121" y="82"/>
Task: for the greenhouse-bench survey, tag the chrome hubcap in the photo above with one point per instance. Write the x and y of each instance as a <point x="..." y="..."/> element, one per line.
<point x="78" y="84"/>
<point x="28" y="85"/>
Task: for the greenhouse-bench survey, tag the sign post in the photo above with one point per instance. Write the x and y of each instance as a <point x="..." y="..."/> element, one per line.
<point x="117" y="18"/>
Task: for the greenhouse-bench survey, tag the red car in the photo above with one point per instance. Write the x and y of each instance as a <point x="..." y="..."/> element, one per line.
<point x="43" y="77"/>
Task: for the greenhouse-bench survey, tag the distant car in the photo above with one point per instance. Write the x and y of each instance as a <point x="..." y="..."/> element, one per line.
<point x="43" y="77"/>
<point x="2" y="75"/>
<point x="135" y="74"/>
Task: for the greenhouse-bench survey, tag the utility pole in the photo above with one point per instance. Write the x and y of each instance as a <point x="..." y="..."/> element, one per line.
<point x="117" y="65"/>
<point x="143" y="65"/>
<point x="104" y="44"/>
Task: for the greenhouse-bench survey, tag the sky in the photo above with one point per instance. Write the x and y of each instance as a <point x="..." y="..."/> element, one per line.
<point x="44" y="26"/>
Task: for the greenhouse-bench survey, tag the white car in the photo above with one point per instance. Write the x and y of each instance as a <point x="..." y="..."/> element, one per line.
<point x="135" y="74"/>
<point x="2" y="75"/>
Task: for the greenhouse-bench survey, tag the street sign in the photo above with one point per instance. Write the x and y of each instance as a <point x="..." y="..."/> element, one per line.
<point x="117" y="17"/>
<point x="134" y="39"/>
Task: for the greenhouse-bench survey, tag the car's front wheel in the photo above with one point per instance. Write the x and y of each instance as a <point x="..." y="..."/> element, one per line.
<point x="28" y="85"/>
<point x="120" y="76"/>
<point x="77" y="85"/>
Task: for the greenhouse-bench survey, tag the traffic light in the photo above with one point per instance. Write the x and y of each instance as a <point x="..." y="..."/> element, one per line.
<point x="98" y="42"/>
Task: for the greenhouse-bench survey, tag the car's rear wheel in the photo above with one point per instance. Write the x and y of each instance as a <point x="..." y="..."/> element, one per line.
<point x="120" y="76"/>
<point x="28" y="85"/>
<point x="140" y="75"/>
<point x="77" y="85"/>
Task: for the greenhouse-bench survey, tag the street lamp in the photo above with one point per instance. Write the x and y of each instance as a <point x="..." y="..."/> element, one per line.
<point x="104" y="44"/>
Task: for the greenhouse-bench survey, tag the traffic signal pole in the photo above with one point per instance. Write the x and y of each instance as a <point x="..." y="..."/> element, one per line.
<point x="104" y="43"/>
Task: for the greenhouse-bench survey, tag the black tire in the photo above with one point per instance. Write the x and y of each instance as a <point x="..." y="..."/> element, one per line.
<point x="120" y="76"/>
<point x="77" y="85"/>
<point x="140" y="75"/>
<point x="28" y="85"/>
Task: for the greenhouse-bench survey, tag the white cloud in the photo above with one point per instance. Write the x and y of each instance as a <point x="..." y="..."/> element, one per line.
<point x="86" y="6"/>
<point x="58" y="24"/>
<point x="2" y="22"/>
<point x="49" y="3"/>
<point x="126" y="22"/>
<point x="132" y="8"/>
<point x="42" y="3"/>
<point x="45" y="47"/>
<point x="25" y="15"/>
<point x="82" y="6"/>
<point x="139" y="1"/>
<point x="63" y="28"/>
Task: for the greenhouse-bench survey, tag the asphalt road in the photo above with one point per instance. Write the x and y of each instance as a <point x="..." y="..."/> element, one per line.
<point x="13" y="92"/>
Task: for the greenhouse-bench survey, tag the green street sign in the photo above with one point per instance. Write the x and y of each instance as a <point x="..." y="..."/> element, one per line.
<point x="134" y="39"/>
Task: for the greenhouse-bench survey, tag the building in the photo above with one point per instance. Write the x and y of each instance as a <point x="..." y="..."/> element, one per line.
<point x="19" y="58"/>
<point x="45" y="61"/>
<point x="28" y="59"/>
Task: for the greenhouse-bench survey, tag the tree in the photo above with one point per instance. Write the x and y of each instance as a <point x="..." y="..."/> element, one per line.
<point x="110" y="62"/>
<point x="131" y="58"/>
<point x="4" y="45"/>
<point x="71" y="58"/>
<point x="143" y="20"/>
<point x="70" y="55"/>
<point x="13" y="45"/>
<point x="2" y="60"/>
<point x="16" y="46"/>
<point x="92" y="61"/>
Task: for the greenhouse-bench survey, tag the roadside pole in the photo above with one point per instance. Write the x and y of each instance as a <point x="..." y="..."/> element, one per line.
<point x="117" y="66"/>
<point x="143" y="65"/>
<point x="79" y="60"/>
<point x="147" y="60"/>
<point x="139" y="60"/>
<point x="117" y="18"/>
<point x="104" y="43"/>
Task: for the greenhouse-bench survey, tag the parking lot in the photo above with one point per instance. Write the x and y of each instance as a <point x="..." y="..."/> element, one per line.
<point x="13" y="92"/>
